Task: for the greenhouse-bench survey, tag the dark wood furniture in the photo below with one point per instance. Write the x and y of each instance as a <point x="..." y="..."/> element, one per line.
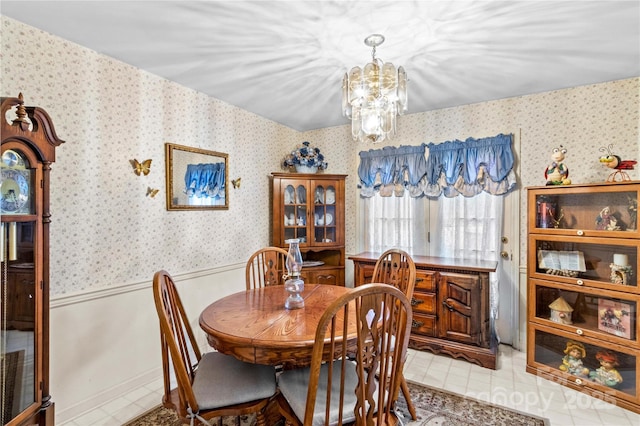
<point x="311" y="207"/>
<point x="450" y="306"/>
<point x="28" y="150"/>
<point x="591" y="301"/>
<point x="21" y="297"/>
<point x="254" y="326"/>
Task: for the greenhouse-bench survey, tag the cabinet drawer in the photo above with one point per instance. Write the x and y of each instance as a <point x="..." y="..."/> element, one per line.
<point x="425" y="281"/>
<point x="424" y="324"/>
<point x="424" y="302"/>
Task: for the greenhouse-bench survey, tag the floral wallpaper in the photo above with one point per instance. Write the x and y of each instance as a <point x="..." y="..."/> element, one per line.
<point x="105" y="230"/>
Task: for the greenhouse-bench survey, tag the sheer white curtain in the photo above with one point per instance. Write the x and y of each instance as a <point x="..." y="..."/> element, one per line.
<point x="395" y="222"/>
<point x="470" y="228"/>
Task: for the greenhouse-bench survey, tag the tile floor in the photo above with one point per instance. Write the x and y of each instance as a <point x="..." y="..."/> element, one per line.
<point x="510" y="385"/>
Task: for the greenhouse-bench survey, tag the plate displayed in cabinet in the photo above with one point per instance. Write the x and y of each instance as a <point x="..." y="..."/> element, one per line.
<point x="331" y="196"/>
<point x="288" y="195"/>
<point x="302" y="195"/>
<point x="310" y="263"/>
<point x="328" y="219"/>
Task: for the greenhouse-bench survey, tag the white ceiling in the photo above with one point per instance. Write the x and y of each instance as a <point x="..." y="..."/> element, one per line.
<point x="284" y="60"/>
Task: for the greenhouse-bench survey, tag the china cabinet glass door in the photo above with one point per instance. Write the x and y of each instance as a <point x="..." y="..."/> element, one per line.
<point x="324" y="213"/>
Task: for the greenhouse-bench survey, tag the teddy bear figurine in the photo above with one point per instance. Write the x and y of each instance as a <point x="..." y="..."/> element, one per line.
<point x="557" y="173"/>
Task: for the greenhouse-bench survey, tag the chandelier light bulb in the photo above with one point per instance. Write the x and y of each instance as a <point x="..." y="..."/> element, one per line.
<point x="373" y="96"/>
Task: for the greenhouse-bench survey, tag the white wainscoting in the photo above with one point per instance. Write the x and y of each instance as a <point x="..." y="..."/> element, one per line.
<point x="105" y="343"/>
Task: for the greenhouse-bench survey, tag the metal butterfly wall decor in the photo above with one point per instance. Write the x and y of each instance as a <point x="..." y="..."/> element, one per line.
<point x="236" y="182"/>
<point x="141" y="168"/>
<point x="152" y="192"/>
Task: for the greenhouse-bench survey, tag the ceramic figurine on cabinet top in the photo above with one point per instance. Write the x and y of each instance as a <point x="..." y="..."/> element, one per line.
<point x="572" y="361"/>
<point x="606" y="374"/>
<point x="615" y="162"/>
<point x="557" y="173"/>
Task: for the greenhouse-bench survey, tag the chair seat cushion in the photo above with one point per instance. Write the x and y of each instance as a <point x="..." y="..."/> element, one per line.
<point x="223" y="380"/>
<point x="294" y="383"/>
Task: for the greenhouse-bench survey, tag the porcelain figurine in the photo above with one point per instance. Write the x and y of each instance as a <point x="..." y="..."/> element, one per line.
<point x="572" y="361"/>
<point x="606" y="374"/>
<point x="605" y="221"/>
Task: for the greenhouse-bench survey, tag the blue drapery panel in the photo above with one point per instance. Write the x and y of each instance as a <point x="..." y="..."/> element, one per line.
<point x="205" y="180"/>
<point x="451" y="168"/>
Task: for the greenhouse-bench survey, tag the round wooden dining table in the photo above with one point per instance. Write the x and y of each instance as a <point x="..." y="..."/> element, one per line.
<point x="254" y="326"/>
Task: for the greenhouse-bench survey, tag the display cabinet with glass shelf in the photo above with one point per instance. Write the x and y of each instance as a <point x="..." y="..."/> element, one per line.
<point x="583" y="296"/>
<point x="310" y="207"/>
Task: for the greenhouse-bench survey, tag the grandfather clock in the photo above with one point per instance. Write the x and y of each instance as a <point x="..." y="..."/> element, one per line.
<point x="28" y="149"/>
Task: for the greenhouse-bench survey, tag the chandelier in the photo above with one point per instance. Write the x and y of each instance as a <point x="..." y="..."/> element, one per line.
<point x="373" y="96"/>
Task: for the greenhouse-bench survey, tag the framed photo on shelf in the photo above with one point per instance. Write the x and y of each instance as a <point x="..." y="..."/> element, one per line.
<point x="615" y="317"/>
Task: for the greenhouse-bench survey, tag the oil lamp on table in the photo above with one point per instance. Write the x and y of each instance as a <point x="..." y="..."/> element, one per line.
<point x="294" y="285"/>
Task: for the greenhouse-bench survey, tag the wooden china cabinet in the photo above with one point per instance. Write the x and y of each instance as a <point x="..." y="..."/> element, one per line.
<point x="310" y="207"/>
<point x="583" y="294"/>
<point x="28" y="150"/>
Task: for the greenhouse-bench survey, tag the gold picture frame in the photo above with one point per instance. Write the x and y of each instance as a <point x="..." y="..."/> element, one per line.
<point x="196" y="178"/>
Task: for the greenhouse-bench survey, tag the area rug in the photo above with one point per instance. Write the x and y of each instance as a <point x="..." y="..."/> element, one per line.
<point x="434" y="407"/>
<point x="11" y="387"/>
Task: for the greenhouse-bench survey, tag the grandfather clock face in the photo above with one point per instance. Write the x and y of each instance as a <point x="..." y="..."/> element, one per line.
<point x="16" y="184"/>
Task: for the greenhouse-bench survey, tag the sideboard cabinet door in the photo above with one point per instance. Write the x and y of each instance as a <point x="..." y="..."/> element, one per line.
<point x="460" y="301"/>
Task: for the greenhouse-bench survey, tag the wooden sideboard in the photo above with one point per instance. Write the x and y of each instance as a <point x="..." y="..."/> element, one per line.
<point x="450" y="306"/>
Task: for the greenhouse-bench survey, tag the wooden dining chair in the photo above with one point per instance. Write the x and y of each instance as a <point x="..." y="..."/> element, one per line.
<point x="208" y="385"/>
<point x="396" y="267"/>
<point x="361" y="384"/>
<point x="266" y="267"/>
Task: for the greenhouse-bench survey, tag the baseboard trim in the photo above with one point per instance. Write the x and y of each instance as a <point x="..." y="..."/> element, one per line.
<point x="100" y="399"/>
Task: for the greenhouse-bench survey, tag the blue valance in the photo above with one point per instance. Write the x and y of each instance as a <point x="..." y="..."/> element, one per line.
<point x="205" y="180"/>
<point x="451" y="168"/>
<point x="390" y="169"/>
